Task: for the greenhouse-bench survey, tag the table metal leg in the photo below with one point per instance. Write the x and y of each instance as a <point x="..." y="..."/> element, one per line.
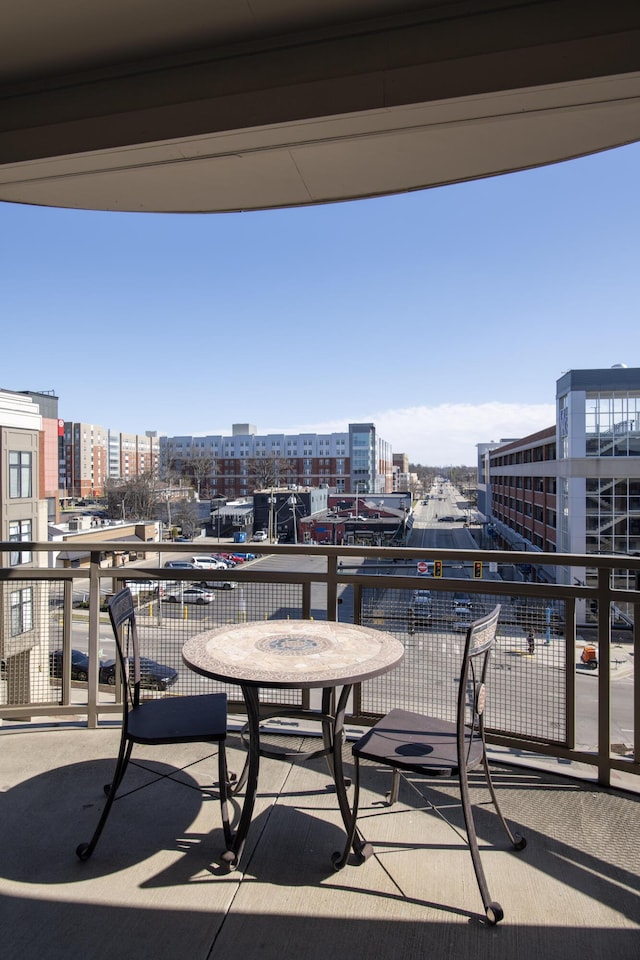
<point x="332" y="735"/>
<point x="342" y="782"/>
<point x="250" y="775"/>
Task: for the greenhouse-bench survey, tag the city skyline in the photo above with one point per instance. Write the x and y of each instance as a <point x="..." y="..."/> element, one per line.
<point x="443" y="316"/>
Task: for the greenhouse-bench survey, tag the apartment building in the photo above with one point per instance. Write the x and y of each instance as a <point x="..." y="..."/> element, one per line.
<point x="234" y="466"/>
<point x="402" y="478"/>
<point x="50" y="447"/>
<point x="131" y="454"/>
<point x="25" y="622"/>
<point x="92" y="453"/>
<point x="86" y="459"/>
<point x="523" y="482"/>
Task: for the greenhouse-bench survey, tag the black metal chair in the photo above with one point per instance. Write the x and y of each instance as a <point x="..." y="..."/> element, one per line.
<point x="193" y="719"/>
<point x="439" y="748"/>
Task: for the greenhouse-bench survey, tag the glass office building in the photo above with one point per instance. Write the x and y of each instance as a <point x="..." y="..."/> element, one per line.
<point x="598" y="426"/>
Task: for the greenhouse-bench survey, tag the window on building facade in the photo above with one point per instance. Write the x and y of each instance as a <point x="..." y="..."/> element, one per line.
<point x="20" y="473"/>
<point x="612" y="508"/>
<point x="20" y="530"/>
<point x="21" y="611"/>
<point x="563" y="426"/>
<point x="612" y="425"/>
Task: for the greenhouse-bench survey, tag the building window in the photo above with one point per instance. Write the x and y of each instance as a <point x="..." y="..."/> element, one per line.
<point x="21" y="611"/>
<point x="19" y="530"/>
<point x="20" y="474"/>
<point x="563" y="426"/>
<point x="613" y="515"/>
<point x="612" y="425"/>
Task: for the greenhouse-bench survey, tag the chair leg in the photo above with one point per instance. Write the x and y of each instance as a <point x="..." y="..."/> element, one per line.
<point x="517" y="840"/>
<point x="395" y="787"/>
<point x="84" y="850"/>
<point x="493" y="910"/>
<point x="121" y="767"/>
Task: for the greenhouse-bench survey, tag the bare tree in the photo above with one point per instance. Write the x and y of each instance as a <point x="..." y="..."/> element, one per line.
<point x="270" y="471"/>
<point x="135" y="499"/>
<point x="202" y="468"/>
<point x="186" y="514"/>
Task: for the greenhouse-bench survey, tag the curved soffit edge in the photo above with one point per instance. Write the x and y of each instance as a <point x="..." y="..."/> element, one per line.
<point x="341" y="158"/>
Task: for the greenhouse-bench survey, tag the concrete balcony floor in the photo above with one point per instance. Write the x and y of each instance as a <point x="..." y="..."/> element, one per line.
<point x="153" y="887"/>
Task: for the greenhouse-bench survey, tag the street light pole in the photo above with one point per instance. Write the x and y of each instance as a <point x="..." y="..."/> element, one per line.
<point x="292" y="503"/>
<point x="272" y="501"/>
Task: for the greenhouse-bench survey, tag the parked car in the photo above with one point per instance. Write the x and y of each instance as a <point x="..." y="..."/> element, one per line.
<point x="190" y="595"/>
<point x="226" y="559"/>
<point x="180" y="564"/>
<point x="153" y="675"/>
<point x="260" y="535"/>
<point x="79" y="664"/>
<point x="208" y="563"/>
<point x="220" y="584"/>
<point x="144" y="586"/>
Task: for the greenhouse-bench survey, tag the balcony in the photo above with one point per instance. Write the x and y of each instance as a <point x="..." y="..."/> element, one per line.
<point x="566" y="779"/>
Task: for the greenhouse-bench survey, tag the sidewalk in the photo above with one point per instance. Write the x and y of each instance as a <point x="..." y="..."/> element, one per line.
<point x="552" y="653"/>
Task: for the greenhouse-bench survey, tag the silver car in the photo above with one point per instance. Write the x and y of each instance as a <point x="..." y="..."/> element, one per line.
<point x="190" y="595"/>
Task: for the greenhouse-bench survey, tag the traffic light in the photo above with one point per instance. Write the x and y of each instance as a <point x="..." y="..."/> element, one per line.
<point x="477" y="569"/>
<point x="437" y="568"/>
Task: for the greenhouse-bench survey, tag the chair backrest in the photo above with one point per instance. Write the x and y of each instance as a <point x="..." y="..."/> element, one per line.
<point x="123" y="620"/>
<point x="479" y="643"/>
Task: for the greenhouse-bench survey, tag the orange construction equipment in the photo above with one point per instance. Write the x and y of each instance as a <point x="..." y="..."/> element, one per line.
<point x="589" y="657"/>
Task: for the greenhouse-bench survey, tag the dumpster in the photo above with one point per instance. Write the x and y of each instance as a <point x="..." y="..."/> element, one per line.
<point x="240" y="537"/>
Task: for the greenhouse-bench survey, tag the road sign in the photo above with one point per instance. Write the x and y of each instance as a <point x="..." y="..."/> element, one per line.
<point x="423" y="568"/>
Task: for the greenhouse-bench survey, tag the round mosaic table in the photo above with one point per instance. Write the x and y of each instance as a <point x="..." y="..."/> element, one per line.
<point x="291" y="654"/>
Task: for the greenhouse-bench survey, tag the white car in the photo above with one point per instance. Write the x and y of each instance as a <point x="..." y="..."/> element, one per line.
<point x="190" y="595"/>
<point x="260" y="535"/>
<point x="220" y="584"/>
<point x="208" y="563"/>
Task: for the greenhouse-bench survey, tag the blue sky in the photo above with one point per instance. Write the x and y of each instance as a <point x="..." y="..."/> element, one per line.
<point x="445" y="316"/>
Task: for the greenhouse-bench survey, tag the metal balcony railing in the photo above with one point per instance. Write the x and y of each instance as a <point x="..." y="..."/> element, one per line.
<point x="56" y="643"/>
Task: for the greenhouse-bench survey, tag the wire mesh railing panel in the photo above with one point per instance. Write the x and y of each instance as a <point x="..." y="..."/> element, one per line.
<point x="527" y="690"/>
<point x="164" y="625"/>
<point x="30" y="669"/>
